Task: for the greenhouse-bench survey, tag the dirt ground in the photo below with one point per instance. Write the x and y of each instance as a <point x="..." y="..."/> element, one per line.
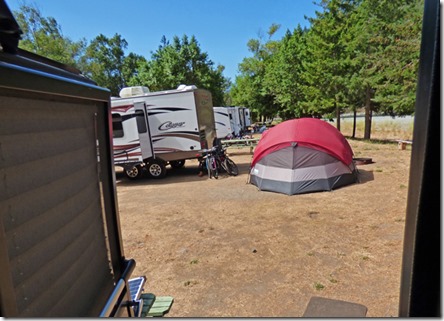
<point x="222" y="248"/>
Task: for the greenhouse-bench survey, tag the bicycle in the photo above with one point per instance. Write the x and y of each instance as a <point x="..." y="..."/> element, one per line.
<point x="217" y="160"/>
<point x="209" y="156"/>
<point x="225" y="162"/>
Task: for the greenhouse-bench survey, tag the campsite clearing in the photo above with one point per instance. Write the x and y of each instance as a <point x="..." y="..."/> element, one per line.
<point x="222" y="248"/>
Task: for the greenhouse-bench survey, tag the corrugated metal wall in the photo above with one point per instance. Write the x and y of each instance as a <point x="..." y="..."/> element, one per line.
<point x="50" y="207"/>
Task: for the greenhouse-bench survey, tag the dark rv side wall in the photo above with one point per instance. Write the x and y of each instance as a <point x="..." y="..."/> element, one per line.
<point x="205" y="116"/>
<point x="60" y="243"/>
<point x="420" y="294"/>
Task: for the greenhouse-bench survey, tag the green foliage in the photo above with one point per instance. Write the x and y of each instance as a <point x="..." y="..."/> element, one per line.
<point x="43" y="36"/>
<point x="284" y="77"/>
<point x="318" y="286"/>
<point x="386" y="42"/>
<point x="182" y="62"/>
<point x="250" y="88"/>
<point x="355" y="53"/>
<point x="106" y="61"/>
<point x="396" y="90"/>
<point x="327" y="62"/>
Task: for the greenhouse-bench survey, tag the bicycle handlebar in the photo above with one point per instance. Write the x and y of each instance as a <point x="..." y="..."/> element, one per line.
<point x="208" y="150"/>
<point x="211" y="150"/>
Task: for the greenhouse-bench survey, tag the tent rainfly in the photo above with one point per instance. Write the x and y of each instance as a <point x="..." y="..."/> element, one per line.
<point x="301" y="156"/>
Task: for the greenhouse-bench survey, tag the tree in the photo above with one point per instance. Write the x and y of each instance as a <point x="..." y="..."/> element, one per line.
<point x="326" y="65"/>
<point x="131" y="68"/>
<point x="249" y="89"/>
<point x="385" y="37"/>
<point x="401" y="26"/>
<point x="106" y="62"/>
<point x="43" y="36"/>
<point x="182" y="62"/>
<point x="284" y="76"/>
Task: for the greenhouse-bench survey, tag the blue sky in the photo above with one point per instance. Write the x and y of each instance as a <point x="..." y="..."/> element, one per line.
<point x="222" y="27"/>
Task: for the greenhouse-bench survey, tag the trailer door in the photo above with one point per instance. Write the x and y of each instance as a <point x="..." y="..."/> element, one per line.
<point x="146" y="144"/>
<point x="241" y="118"/>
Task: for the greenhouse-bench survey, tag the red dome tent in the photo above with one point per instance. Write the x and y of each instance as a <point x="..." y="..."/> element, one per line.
<point x="300" y="156"/>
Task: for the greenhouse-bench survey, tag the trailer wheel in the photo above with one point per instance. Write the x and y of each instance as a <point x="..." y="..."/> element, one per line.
<point x="177" y="163"/>
<point x="134" y="172"/>
<point x="156" y="168"/>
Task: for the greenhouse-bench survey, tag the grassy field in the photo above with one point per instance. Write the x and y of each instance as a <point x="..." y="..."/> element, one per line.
<point x="384" y="128"/>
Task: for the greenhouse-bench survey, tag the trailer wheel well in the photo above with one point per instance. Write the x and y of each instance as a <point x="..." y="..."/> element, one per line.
<point x="177" y="163"/>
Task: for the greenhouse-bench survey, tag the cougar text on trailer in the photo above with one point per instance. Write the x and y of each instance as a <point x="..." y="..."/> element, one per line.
<point x="154" y="129"/>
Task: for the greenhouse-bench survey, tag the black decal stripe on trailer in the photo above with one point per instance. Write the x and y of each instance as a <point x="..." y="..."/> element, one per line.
<point x="166" y="149"/>
<point x="169" y="108"/>
<point x="187" y="135"/>
<point x="129" y="156"/>
<point x="165" y="110"/>
<point x="127" y="151"/>
<point x="157" y="113"/>
<point x="191" y="133"/>
<point x="126" y="117"/>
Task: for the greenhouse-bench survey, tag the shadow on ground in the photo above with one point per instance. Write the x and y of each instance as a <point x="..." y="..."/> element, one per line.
<point x="188" y="173"/>
<point x="365" y="176"/>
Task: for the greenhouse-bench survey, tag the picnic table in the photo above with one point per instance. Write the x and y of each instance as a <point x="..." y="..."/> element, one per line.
<point x="403" y="143"/>
<point x="240" y="143"/>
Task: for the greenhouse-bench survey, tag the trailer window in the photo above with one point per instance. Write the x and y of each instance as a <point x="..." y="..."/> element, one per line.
<point x="117" y="126"/>
<point x="141" y="123"/>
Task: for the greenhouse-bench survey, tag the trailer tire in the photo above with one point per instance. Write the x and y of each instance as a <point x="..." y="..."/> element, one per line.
<point x="177" y="163"/>
<point x="133" y="173"/>
<point x="156" y="168"/>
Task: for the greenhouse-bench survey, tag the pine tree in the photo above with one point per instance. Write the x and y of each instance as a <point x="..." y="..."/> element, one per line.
<point x="327" y="60"/>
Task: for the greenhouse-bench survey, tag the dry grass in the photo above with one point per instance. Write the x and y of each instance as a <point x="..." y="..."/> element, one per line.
<point x="387" y="129"/>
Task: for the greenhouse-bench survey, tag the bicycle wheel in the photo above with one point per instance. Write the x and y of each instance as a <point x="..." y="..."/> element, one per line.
<point x="208" y="165"/>
<point x="215" y="172"/>
<point x="230" y="167"/>
<point x="213" y="164"/>
<point x="223" y="165"/>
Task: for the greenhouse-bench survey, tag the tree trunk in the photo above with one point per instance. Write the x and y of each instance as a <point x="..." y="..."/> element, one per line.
<point x="354" y="123"/>
<point x="338" y="117"/>
<point x="368" y="114"/>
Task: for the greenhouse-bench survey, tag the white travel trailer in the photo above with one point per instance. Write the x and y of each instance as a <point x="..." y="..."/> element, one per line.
<point x="222" y="122"/>
<point x="244" y="115"/>
<point x="239" y="119"/>
<point x="235" y="123"/>
<point x="154" y="129"/>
